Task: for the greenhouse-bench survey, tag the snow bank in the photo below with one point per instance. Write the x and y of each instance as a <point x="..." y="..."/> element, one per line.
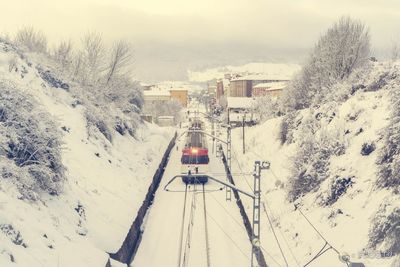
<point x="105" y="182"/>
<point x="347" y="221"/>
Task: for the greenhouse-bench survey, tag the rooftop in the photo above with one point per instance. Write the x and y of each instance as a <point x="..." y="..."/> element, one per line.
<point x="240" y="102"/>
<point x="261" y="77"/>
<point x="156" y="92"/>
<point x="271" y="86"/>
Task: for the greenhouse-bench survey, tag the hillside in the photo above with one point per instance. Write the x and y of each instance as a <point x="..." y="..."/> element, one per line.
<point x="71" y="181"/>
<point x="340" y="144"/>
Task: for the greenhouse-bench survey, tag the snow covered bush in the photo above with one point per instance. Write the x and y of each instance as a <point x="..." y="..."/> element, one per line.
<point x="310" y="164"/>
<point x="389" y="158"/>
<point x="288" y="124"/>
<point x="385" y="231"/>
<point x="267" y="107"/>
<point x="30" y="144"/>
<point x="338" y="188"/>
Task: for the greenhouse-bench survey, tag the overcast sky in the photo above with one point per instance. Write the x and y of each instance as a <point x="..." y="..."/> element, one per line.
<point x="170" y="36"/>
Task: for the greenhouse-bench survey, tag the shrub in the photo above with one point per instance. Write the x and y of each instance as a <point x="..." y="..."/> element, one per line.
<point x="32" y="141"/>
<point x="338" y="188"/>
<point x="385" y="231"/>
<point x="310" y="164"/>
<point x="389" y="156"/>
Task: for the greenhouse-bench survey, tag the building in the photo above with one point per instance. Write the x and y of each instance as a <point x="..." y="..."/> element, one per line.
<point x="156" y="95"/>
<point x="241" y="108"/>
<point x="273" y="89"/>
<point x="181" y="95"/>
<point x="243" y="86"/>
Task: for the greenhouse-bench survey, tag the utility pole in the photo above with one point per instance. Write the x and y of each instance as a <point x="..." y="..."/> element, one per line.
<point x="244" y="140"/>
<point x="228" y="196"/>
<point x="258" y="166"/>
<point x="212" y="132"/>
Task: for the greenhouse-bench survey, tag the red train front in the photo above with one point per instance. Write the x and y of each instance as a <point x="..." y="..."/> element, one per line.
<point x="195" y="158"/>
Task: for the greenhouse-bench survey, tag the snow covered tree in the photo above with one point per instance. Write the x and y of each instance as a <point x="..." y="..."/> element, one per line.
<point x="342" y="49"/>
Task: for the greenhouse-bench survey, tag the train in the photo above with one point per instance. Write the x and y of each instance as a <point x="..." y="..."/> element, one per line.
<point x="195" y="159"/>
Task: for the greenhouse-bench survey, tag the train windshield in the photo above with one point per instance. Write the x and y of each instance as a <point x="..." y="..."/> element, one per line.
<point x="195" y="159"/>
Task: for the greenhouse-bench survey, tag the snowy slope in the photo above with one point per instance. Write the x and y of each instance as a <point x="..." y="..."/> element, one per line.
<point x="347" y="222"/>
<point x="106" y="184"/>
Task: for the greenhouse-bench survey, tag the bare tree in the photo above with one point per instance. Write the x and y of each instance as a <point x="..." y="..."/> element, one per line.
<point x="93" y="54"/>
<point x="31" y="39"/>
<point x="63" y="53"/>
<point x="121" y="58"/>
<point x="395" y="51"/>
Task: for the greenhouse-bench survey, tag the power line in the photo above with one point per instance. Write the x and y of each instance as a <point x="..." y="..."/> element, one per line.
<point x="227" y="235"/>
<point x="206" y="229"/>
<point x="273" y="231"/>
<point x="182" y="229"/>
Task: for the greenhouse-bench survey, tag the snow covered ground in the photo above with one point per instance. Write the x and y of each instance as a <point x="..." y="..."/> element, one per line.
<point x="228" y="241"/>
<point x="106" y="183"/>
<point x="346" y="223"/>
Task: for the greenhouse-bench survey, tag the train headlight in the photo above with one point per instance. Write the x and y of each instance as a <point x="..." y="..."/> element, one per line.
<point x="195" y="150"/>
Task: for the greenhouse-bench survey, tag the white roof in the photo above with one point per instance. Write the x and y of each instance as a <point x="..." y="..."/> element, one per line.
<point x="240" y="102"/>
<point x="156" y="93"/>
<point x="261" y="77"/>
<point x="271" y="86"/>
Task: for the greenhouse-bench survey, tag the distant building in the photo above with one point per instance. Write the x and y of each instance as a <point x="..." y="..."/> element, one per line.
<point x="181" y="95"/>
<point x="243" y="86"/>
<point x="272" y="89"/>
<point x="154" y="96"/>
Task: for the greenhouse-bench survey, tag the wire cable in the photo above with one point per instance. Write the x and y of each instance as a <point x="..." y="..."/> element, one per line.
<point x="182" y="228"/>
<point x="227" y="235"/>
<point x="273" y="231"/>
<point x="206" y="229"/>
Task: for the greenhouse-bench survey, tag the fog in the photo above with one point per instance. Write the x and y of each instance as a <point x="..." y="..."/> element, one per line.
<point x="170" y="37"/>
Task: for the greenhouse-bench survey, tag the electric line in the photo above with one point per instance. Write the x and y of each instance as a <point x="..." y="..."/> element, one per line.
<point x="273" y="231"/>
<point x="206" y="229"/>
<point x="227" y="235"/>
<point x="182" y="228"/>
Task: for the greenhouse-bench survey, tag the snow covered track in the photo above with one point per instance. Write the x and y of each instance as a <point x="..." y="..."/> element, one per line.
<point x="132" y="241"/>
<point x="246" y="221"/>
<point x="212" y="233"/>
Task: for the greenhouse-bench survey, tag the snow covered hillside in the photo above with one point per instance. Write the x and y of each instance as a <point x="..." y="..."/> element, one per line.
<point x="70" y="196"/>
<point x="327" y="165"/>
<point x="277" y="71"/>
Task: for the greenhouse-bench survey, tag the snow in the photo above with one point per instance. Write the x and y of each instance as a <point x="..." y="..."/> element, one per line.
<point x="240" y="102"/>
<point x="156" y="93"/>
<point x="109" y="181"/>
<point x="271" y="86"/>
<point x="229" y="243"/>
<point x="346" y="230"/>
<point x="270" y="71"/>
